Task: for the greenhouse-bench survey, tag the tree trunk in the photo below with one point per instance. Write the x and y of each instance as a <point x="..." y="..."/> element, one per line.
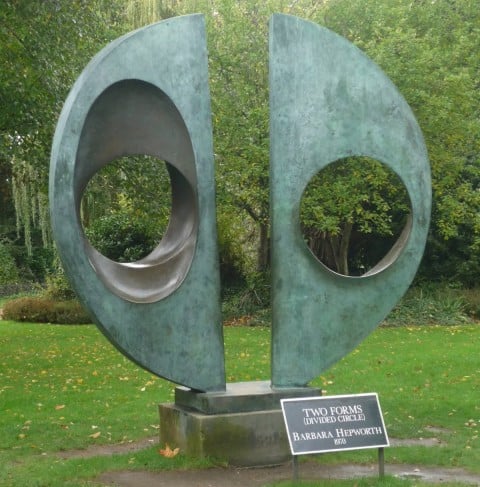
<point x="339" y="245"/>
<point x="263" y="250"/>
<point x="343" y="250"/>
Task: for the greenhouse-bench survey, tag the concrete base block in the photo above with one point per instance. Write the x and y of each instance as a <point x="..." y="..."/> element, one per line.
<point x="244" y="439"/>
<point x="243" y="425"/>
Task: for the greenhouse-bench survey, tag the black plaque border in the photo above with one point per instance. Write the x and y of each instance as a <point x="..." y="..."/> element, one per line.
<point x="337" y="447"/>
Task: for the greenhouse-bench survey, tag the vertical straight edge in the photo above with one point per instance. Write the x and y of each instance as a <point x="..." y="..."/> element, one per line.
<point x="381" y="462"/>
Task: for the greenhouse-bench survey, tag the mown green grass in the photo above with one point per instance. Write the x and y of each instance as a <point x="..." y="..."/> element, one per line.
<point x="66" y="387"/>
<point x="428" y="381"/>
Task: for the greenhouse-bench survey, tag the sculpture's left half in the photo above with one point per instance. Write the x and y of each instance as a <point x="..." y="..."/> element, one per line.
<point x="147" y="94"/>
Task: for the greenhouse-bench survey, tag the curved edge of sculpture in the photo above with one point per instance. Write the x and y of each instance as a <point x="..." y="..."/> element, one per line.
<point x="147" y="94"/>
<point x="329" y="101"/>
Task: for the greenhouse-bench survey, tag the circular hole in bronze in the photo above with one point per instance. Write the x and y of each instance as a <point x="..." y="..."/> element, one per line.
<point x="126" y="207"/>
<point x="129" y="119"/>
<point x="355" y="216"/>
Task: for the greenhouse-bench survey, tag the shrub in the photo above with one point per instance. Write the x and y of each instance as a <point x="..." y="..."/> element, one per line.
<point x="8" y="269"/>
<point x="429" y="306"/>
<point x="57" y="285"/>
<point x="250" y="299"/>
<point x="44" y="310"/>
<point x="32" y="267"/>
<point x="122" y="238"/>
<point x="472" y="302"/>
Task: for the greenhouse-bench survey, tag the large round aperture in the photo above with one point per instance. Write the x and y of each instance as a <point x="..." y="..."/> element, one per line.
<point x="133" y="117"/>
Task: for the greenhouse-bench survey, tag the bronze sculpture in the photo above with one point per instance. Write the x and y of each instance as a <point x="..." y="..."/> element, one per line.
<point x="147" y="93"/>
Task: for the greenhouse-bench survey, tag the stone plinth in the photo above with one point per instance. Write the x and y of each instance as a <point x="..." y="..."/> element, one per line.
<point x="243" y="425"/>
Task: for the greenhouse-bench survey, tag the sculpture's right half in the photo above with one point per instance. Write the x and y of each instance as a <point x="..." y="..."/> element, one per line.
<point x="329" y="101"/>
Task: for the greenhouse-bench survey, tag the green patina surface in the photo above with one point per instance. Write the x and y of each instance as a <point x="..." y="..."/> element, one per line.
<point x="172" y="330"/>
<point x="328" y="101"/>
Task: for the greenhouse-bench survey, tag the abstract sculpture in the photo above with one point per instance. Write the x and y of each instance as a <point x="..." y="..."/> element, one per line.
<point x="147" y="93"/>
<point x="329" y="101"/>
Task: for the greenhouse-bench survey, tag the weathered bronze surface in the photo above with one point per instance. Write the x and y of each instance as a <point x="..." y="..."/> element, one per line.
<point x="329" y="101"/>
<point x="147" y="93"/>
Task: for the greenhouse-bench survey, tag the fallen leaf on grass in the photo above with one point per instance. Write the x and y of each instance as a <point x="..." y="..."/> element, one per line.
<point x="59" y="406"/>
<point x="95" y="435"/>
<point x="167" y="452"/>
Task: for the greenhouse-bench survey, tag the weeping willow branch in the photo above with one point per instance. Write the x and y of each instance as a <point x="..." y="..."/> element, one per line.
<point x="144" y="12"/>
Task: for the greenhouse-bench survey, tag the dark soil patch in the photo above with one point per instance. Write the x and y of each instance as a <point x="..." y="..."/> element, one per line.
<point x="116" y="449"/>
<point x="133" y="446"/>
<point x="257" y="477"/>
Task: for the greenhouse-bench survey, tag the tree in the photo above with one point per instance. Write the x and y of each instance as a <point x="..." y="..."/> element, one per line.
<point x="237" y="36"/>
<point x="7" y="214"/>
<point x="123" y="223"/>
<point x="352" y="212"/>
<point x="430" y="50"/>
<point x="44" y="46"/>
<point x="408" y="40"/>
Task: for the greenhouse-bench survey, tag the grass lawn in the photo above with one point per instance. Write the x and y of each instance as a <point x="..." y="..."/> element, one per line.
<point x="66" y="387"/>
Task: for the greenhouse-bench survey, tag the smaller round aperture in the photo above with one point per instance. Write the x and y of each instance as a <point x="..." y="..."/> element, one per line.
<point x="355" y="216"/>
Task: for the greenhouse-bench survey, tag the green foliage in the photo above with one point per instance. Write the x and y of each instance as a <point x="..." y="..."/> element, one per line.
<point x="352" y="212"/>
<point x="36" y="266"/>
<point x="249" y="303"/>
<point x="44" y="47"/>
<point x="471" y="299"/>
<point x="121" y="222"/>
<point x="7" y="215"/>
<point x="237" y="36"/>
<point x="8" y="268"/>
<point x="115" y="189"/>
<point x="120" y="238"/>
<point x="44" y="310"/>
<point x="57" y="286"/>
<point x="436" y="69"/>
<point x="144" y="12"/>
<point x="429" y="50"/>
<point x="427" y="306"/>
<point x="455" y="260"/>
<point x="422" y="305"/>
<point x="232" y="255"/>
<point x="32" y="267"/>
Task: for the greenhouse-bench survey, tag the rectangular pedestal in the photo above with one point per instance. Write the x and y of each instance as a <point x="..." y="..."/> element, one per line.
<point x="243" y="425"/>
<point x="240" y="397"/>
<point x="244" y="439"/>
